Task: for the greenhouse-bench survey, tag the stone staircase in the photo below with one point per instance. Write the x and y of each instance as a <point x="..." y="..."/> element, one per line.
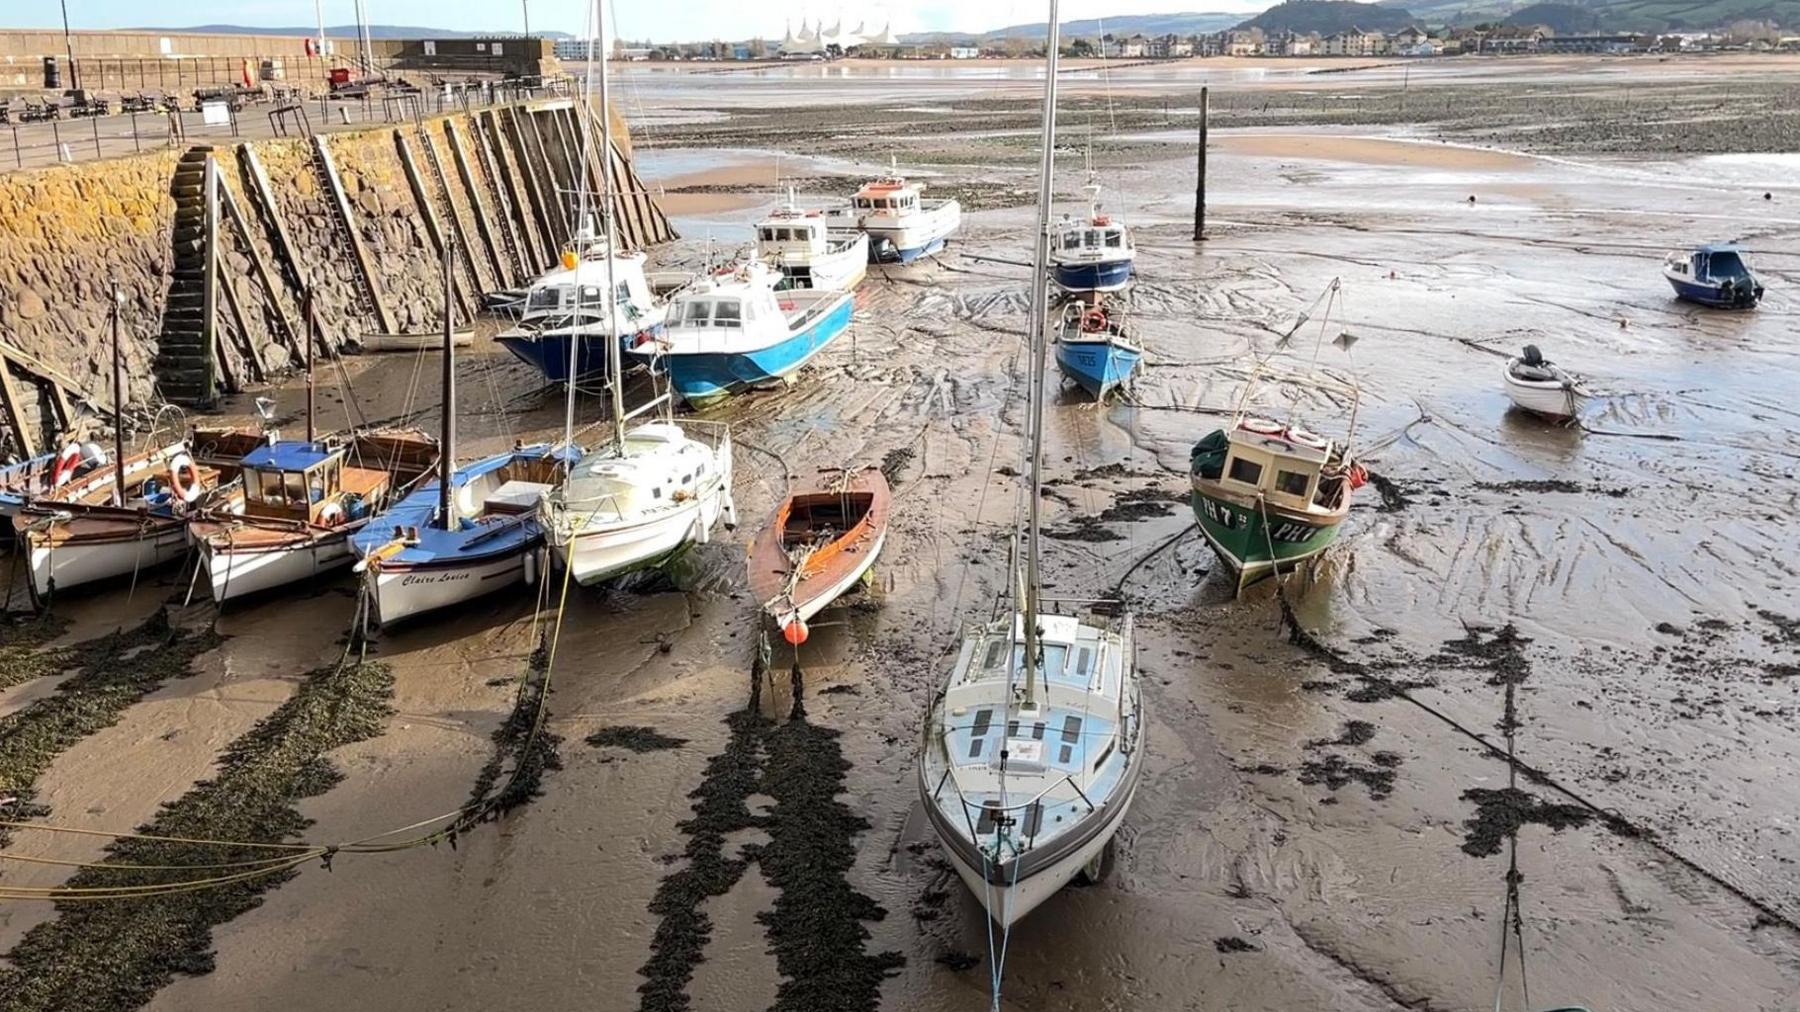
<point x="184" y="359"/>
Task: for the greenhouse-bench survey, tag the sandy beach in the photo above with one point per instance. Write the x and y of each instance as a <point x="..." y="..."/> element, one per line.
<point x="1326" y="810"/>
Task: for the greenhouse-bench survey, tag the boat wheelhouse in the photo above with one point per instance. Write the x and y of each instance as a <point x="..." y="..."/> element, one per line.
<point x="1714" y="275"/>
<point x="570" y="305"/>
<point x="1269" y="496"/>
<point x="1093" y="253"/>
<point x="809" y="252"/>
<point x="733" y="331"/>
<point x="902" y="224"/>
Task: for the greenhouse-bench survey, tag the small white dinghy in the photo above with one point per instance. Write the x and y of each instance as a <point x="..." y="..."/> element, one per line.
<point x="1537" y="385"/>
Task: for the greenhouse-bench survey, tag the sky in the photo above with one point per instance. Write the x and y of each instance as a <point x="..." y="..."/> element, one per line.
<point x="659" y="20"/>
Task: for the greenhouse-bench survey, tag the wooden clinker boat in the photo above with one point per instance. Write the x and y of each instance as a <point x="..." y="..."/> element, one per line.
<point x="823" y="540"/>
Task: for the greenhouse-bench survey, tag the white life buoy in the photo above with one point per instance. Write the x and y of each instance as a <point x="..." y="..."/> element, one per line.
<point x="331" y="514"/>
<point x="66" y="462"/>
<point x="1307" y="438"/>
<point x="184" y="477"/>
<point x="1261" y="426"/>
<point x="93" y="454"/>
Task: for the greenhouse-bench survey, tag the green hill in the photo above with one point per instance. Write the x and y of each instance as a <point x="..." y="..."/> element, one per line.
<point x="1327" y="17"/>
<point x="1608" y="15"/>
<point x="1561" y="18"/>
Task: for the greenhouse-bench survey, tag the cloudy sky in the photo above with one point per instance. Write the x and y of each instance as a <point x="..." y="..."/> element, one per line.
<point x="662" y="20"/>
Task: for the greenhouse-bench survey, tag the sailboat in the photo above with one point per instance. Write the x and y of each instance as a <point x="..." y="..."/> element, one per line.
<point x="1034" y="745"/>
<point x="1092" y="254"/>
<point x="652" y="491"/>
<point x="471" y="532"/>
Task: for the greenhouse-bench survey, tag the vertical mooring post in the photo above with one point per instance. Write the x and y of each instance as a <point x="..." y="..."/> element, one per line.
<point x="1200" y="182"/>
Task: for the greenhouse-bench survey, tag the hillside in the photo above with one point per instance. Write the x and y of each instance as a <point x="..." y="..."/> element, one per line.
<point x="349" y="31"/>
<point x="1615" y="15"/>
<point x="1328" y="17"/>
<point x="1561" y="18"/>
<point x="1125" y="24"/>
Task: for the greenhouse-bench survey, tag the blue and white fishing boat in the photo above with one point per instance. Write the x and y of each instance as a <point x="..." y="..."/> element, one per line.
<point x="1713" y="275"/>
<point x="567" y="306"/>
<point x="809" y="252"/>
<point x="1095" y="349"/>
<point x="902" y="224"/>
<point x="733" y="331"/>
<point x="1091" y="254"/>
<point x="1034" y="745"/>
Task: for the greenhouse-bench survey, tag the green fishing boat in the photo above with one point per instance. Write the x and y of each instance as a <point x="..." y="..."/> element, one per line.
<point x="1269" y="496"/>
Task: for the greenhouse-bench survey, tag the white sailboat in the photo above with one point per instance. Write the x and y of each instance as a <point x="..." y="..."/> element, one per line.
<point x="1034" y="745"/>
<point x="650" y="492"/>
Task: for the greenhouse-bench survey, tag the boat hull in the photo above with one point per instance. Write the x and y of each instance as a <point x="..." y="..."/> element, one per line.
<point x="1710" y="295"/>
<point x="401" y="592"/>
<point x="1253" y="551"/>
<point x="596" y="554"/>
<point x="1104" y="276"/>
<point x="1097" y="366"/>
<point x="548" y="352"/>
<point x="1555" y="402"/>
<point x="701" y="378"/>
<point x="89" y="561"/>
<point x="833" y="567"/>
<point x="238" y="572"/>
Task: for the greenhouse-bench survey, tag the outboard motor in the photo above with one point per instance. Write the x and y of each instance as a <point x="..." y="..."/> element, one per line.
<point x="1531" y="355"/>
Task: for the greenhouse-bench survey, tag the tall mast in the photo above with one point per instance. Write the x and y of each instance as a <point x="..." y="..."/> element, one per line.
<point x="447" y="449"/>
<point x="307" y="338"/>
<point x="1040" y="311"/>
<point x="118" y="301"/>
<point x="614" y="369"/>
<point x="581" y="212"/>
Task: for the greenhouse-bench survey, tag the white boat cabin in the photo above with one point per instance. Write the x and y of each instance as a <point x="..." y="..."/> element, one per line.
<point x="1098" y="238"/>
<point x="889" y="196"/>
<point x="793" y="234"/>
<point x="576" y="296"/>
<point x="661" y="467"/>
<point x="740" y="301"/>
<point x="1284" y="464"/>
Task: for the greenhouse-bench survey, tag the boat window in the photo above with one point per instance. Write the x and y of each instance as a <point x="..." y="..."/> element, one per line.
<point x="687" y="479"/>
<point x="1071" y="240"/>
<point x="727" y="313"/>
<point x="984" y="719"/>
<point x="1727" y="265"/>
<point x="1092" y="238"/>
<point x="1071" y="731"/>
<point x="622" y="294"/>
<point x="860" y="202"/>
<point x="1291" y="482"/>
<point x="993" y="654"/>
<point x="1105" y="753"/>
<point x="1012" y="729"/>
<point x="1247" y="471"/>
<point x="975" y="748"/>
<point x="697" y="313"/>
<point x="1063" y="754"/>
<point x="768" y="234"/>
<point x="656" y="493"/>
<point x="271" y="486"/>
<point x="315" y="485"/>
<point x="1037" y="731"/>
<point x="1114" y="240"/>
<point x="294" y="486"/>
<point x="542" y="299"/>
<point x="1084" y="659"/>
<point x="1034" y="818"/>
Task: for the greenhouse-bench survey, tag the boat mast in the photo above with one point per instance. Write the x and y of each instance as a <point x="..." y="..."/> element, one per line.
<point x="581" y="213"/>
<point x="447" y="451"/>
<point x="1040" y="311"/>
<point x="614" y="349"/>
<point x="118" y="300"/>
<point x="307" y="339"/>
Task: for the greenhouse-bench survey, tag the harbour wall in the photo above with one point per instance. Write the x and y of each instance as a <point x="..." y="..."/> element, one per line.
<point x="217" y="273"/>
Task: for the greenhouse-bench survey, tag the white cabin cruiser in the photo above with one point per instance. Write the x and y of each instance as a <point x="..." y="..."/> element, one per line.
<point x="569" y="305"/>
<point x="809" y="252"/>
<point x="902" y="225"/>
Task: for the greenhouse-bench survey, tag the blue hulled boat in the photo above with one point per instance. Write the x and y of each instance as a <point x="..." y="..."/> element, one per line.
<point x="734" y="331"/>
<point x="1713" y="275"/>
<point x="1091" y="254"/>
<point x="567" y="306"/>
<point x="1095" y="350"/>
<point x="902" y="224"/>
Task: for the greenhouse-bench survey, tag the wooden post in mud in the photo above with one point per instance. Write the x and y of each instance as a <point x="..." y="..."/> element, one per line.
<point x="1200" y="183"/>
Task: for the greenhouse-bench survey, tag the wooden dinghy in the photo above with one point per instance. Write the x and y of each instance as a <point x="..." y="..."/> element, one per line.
<point x="823" y="540"/>
<point x="371" y="344"/>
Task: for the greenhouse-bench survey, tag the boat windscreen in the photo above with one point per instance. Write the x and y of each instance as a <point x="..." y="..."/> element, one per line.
<point x="1727" y="265"/>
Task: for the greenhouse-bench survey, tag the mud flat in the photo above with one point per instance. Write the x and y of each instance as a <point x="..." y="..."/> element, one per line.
<point x="1325" y="820"/>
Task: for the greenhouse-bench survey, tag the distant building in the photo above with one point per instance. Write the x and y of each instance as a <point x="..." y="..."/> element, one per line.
<point x="964" y="52"/>
<point x="1356" y="42"/>
<point x="1124" y="49"/>
<point x="1408" y="37"/>
<point x="1596" y="44"/>
<point x="1169" y="47"/>
<point x="1238" y="43"/>
<point x="1514" y="39"/>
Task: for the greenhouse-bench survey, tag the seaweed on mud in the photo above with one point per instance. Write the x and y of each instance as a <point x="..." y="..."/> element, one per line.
<point x="1128" y="507"/>
<point x="23" y="655"/>
<point x="1377" y="688"/>
<point x="524" y="745"/>
<point x="893" y="465"/>
<point x="1500" y="652"/>
<point x="720" y="809"/>
<point x="1231" y="944"/>
<point x="1355" y="732"/>
<point x="1393" y="494"/>
<point x="1113" y="470"/>
<point x="1500" y="813"/>
<point x="1334" y="771"/>
<point x="958" y="961"/>
<point x="1786" y="632"/>
<point x="816" y="927"/>
<point x="635" y="737"/>
<point x="107" y="956"/>
<point x="91" y="699"/>
<point x="1561" y="485"/>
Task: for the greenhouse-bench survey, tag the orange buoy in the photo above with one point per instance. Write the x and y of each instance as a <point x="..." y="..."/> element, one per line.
<point x="794" y="631"/>
<point x="569" y="260"/>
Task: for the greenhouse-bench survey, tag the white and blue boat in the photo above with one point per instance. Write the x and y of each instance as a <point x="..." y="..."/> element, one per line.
<point x="902" y="224"/>
<point x="567" y="306"/>
<point x="810" y="253"/>
<point x="1091" y="254"/>
<point x="1095" y="349"/>
<point x="1714" y="275"/>
<point x="733" y="331"/>
<point x="431" y="550"/>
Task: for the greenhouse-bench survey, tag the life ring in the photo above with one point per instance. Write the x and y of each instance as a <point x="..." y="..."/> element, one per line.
<point x="184" y="477"/>
<point x="66" y="463"/>
<point x="1093" y="321"/>
<point x="1307" y="438"/>
<point x="1261" y="426"/>
<point x="331" y="513"/>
